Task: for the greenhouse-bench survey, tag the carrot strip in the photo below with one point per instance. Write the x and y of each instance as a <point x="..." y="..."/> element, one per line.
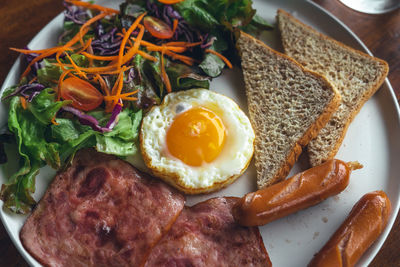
<point x="164" y="74"/>
<point x="91" y="69"/>
<point x="115" y="71"/>
<point x="116" y="98"/>
<point x="36" y="59"/>
<point x="53" y="121"/>
<point x="187" y="60"/>
<point x="23" y="102"/>
<point x="175" y="25"/>
<point x="33" y="79"/>
<point x="121" y="82"/>
<point x="147" y="56"/>
<point x="104" y="58"/>
<point x="88" y="43"/>
<point x="103" y="85"/>
<point x="76" y="38"/>
<point x="126" y="36"/>
<point x="177" y="49"/>
<point x="92" y="6"/>
<point x="27" y="51"/>
<point x="185" y="44"/>
<point x="88" y="23"/>
<point x="170" y="2"/>
<point x="76" y="67"/>
<point x="143" y="42"/>
<point x="227" y="62"/>
<point x="131" y="52"/>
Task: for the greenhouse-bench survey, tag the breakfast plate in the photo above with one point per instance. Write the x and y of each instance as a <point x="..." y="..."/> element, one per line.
<point x="372" y="139"/>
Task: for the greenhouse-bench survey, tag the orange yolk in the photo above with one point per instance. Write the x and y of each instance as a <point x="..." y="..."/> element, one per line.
<point x="196" y="136"/>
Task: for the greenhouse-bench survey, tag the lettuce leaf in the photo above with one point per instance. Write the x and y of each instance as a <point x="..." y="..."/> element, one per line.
<point x="208" y="14"/>
<point x="40" y="142"/>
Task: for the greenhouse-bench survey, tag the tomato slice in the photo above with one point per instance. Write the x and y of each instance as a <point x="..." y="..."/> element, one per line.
<point x="84" y="96"/>
<point x="157" y="27"/>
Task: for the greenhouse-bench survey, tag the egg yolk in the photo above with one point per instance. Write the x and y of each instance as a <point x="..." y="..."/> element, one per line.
<point x="196" y="136"/>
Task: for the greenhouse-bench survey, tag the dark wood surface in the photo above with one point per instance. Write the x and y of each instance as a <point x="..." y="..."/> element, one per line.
<point x="21" y="20"/>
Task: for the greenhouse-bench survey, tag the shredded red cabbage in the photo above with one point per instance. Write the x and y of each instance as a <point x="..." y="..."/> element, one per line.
<point x="106" y="43"/>
<point x="75" y="14"/>
<point x="29" y="91"/>
<point x="92" y="122"/>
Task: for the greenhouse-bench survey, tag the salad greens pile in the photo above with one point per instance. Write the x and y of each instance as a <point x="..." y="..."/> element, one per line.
<point x="49" y="129"/>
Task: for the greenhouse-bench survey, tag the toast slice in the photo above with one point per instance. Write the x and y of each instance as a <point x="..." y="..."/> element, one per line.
<point x="356" y="75"/>
<point x="287" y="104"/>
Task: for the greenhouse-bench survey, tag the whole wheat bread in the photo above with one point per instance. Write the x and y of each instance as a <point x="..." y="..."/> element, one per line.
<point x="356" y="75"/>
<point x="287" y="104"/>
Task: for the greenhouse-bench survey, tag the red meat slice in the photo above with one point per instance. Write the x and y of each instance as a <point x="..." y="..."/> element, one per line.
<point x="207" y="235"/>
<point x="101" y="211"/>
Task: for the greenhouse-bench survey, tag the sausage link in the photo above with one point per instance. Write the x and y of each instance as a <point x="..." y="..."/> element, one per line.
<point x="296" y="193"/>
<point x="362" y="227"/>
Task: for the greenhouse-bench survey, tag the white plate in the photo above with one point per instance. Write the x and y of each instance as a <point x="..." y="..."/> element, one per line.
<point x="372" y="139"/>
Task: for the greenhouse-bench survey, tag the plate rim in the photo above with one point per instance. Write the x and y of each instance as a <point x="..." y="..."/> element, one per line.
<point x="395" y="210"/>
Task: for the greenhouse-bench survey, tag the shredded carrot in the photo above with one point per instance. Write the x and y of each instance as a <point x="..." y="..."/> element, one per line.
<point x="88" y="23"/>
<point x="175" y="25"/>
<point x="53" y="121"/>
<point x="131" y="52"/>
<point x="104" y="58"/>
<point x="164" y="74"/>
<point x="126" y="37"/>
<point x="177" y="49"/>
<point x="33" y="79"/>
<point x="118" y="97"/>
<point x="92" y="6"/>
<point x="76" y="67"/>
<point x="147" y="56"/>
<point x="28" y="51"/>
<point x="121" y="82"/>
<point x="23" y="102"/>
<point x="227" y="62"/>
<point x="185" y="44"/>
<point x="91" y="69"/>
<point x="36" y="59"/>
<point x="86" y="46"/>
<point x="103" y="85"/>
<point x="115" y="71"/>
<point x="185" y="59"/>
<point x="170" y="2"/>
<point x="76" y="38"/>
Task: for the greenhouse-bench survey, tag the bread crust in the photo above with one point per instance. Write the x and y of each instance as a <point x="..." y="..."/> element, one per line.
<point x="314" y="161"/>
<point x="310" y="133"/>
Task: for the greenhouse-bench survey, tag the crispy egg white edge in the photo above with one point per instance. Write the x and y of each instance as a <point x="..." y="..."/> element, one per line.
<point x="234" y="157"/>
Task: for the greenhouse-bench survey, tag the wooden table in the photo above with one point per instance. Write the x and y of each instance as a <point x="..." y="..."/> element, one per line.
<point x="21" y="20"/>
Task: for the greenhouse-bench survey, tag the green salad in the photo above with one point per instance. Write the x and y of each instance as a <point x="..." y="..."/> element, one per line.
<point x="109" y="67"/>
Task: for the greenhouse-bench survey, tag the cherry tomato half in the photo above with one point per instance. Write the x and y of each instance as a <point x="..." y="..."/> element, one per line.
<point x="84" y="96"/>
<point x="157" y="27"/>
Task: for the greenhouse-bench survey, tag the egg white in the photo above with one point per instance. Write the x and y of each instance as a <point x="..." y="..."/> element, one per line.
<point x="230" y="163"/>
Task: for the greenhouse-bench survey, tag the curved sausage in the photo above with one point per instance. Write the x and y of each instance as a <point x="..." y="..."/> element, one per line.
<point x="362" y="227"/>
<point x="296" y="193"/>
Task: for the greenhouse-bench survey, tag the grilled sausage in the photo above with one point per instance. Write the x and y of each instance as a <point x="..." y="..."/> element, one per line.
<point x="296" y="193"/>
<point x="362" y="227"/>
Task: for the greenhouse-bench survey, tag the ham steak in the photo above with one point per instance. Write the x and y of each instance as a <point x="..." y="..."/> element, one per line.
<point x="207" y="235"/>
<point x="101" y="211"/>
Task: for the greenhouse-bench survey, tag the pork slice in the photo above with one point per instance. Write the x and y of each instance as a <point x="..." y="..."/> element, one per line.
<point x="207" y="235"/>
<point x="101" y="211"/>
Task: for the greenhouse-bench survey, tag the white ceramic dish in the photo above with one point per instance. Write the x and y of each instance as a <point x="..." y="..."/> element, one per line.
<point x="372" y="139"/>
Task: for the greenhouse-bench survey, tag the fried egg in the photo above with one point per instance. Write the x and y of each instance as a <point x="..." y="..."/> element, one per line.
<point x="197" y="140"/>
